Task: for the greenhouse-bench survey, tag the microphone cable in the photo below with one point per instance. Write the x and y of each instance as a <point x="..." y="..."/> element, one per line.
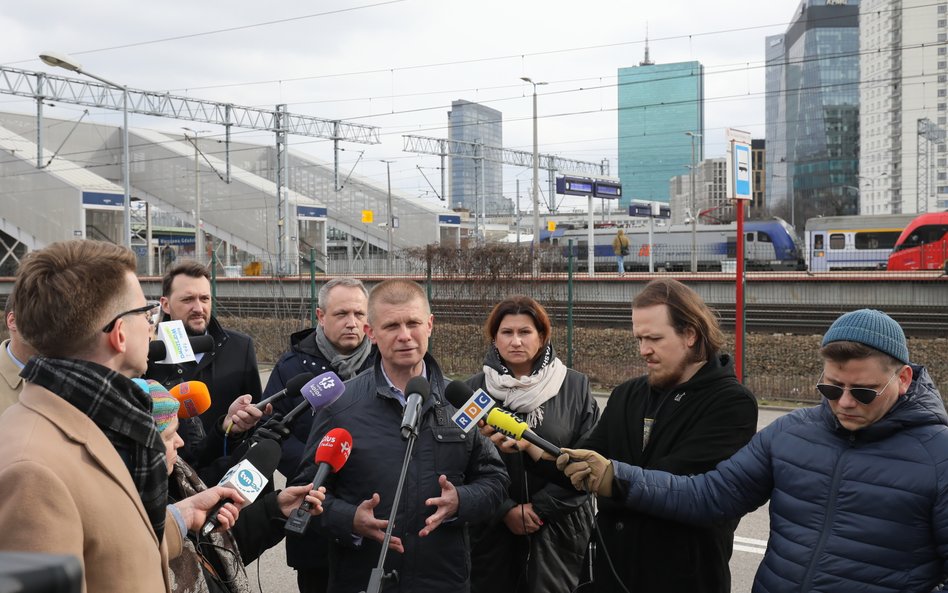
<point x="605" y="550"/>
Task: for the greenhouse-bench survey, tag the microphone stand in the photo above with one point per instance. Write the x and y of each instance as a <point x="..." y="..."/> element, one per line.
<point x="377" y="577"/>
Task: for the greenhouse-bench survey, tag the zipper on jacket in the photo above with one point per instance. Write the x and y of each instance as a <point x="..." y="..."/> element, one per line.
<point x="828" y="518"/>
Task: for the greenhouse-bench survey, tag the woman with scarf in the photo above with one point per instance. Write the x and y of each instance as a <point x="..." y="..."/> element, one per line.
<point x="215" y="563"/>
<point x="537" y="540"/>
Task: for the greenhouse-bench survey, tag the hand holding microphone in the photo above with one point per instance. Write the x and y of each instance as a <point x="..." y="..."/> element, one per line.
<point x="242" y="415"/>
<point x="331" y="454"/>
<point x="587" y="470"/>
<point x="293" y="388"/>
<point x="245" y="481"/>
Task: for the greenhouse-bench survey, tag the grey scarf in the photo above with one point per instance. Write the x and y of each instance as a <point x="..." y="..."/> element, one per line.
<point x="345" y="365"/>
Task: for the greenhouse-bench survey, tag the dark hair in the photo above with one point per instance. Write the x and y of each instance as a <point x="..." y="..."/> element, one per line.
<point x="844" y="351"/>
<point x="188" y="268"/>
<point x="66" y="292"/>
<point x="686" y="309"/>
<point x="519" y="305"/>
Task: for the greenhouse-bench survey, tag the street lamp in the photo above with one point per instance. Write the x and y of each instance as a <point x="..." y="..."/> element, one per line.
<point x="536" y="169"/>
<point x="389" y="222"/>
<point x="198" y="230"/>
<point x="61" y="61"/>
<point x="694" y="205"/>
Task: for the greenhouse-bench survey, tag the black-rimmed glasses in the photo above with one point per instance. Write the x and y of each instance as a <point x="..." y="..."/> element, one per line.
<point x="151" y="309"/>
<point x="863" y="395"/>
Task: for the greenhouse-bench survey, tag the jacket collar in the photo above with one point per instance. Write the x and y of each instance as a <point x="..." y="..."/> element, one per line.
<point x="8" y="368"/>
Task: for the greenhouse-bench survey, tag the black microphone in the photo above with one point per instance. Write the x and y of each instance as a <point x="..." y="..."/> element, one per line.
<point x="158" y="350"/>
<point x="416" y="392"/>
<point x="248" y="478"/>
<point x="293" y="388"/>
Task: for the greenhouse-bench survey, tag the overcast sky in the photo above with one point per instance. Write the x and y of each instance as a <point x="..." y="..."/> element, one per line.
<point x="399" y="64"/>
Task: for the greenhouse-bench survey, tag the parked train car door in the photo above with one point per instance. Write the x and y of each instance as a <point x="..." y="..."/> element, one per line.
<point x="816" y="248"/>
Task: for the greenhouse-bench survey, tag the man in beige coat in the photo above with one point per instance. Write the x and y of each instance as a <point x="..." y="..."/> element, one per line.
<point x="14" y="353"/>
<point x="82" y="466"/>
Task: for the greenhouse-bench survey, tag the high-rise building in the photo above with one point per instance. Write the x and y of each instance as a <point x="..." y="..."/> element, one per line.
<point x="710" y="201"/>
<point x="902" y="96"/>
<point x="812" y="112"/>
<point x="658" y="105"/>
<point x="477" y="185"/>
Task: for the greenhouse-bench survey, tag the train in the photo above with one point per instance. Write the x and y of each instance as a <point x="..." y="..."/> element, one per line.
<point x="769" y="245"/>
<point x="897" y="242"/>
<point x="923" y="245"/>
<point x="861" y="242"/>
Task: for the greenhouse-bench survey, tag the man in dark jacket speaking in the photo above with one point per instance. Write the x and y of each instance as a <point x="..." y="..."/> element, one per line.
<point x="858" y="486"/>
<point x="684" y="416"/>
<point x="454" y="477"/>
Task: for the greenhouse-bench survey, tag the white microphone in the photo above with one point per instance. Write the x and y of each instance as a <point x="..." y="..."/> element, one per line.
<point x="248" y="478"/>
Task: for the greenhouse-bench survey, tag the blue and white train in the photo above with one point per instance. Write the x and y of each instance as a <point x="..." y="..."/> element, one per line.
<point x="769" y="245"/>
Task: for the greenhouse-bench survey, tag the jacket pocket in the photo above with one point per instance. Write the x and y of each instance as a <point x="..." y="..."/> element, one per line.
<point x="451" y="452"/>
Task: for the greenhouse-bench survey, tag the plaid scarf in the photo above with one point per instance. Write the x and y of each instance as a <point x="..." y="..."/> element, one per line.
<point x="122" y="411"/>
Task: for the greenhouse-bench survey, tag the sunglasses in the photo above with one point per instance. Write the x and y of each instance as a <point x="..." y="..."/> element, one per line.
<point x="152" y="311"/>
<point x="863" y="395"/>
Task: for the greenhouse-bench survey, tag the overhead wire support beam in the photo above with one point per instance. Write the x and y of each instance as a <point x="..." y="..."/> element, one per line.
<point x="52" y="87"/>
<point x="507" y="156"/>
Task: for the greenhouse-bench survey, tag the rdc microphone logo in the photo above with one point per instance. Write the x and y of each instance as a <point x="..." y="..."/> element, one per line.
<point x="248" y="480"/>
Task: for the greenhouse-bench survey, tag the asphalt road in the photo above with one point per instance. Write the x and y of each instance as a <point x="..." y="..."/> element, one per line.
<point x="271" y="575"/>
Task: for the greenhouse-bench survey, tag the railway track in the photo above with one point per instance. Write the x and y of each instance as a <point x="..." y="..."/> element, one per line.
<point x="916" y="321"/>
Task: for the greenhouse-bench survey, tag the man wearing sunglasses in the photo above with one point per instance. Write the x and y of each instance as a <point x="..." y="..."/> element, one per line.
<point x="82" y="465"/>
<point x="858" y="486"/>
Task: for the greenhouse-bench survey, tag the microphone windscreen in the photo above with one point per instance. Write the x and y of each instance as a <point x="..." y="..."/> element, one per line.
<point x="457" y="393"/>
<point x="507" y="423"/>
<point x="157" y="350"/>
<point x="265" y="456"/>
<point x="194" y="398"/>
<point x="201" y="344"/>
<point x="335" y="448"/>
<point x="294" y="386"/>
<point x="420" y="386"/>
<point x="323" y="390"/>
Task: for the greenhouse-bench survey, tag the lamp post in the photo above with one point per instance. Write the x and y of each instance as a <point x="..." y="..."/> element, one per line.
<point x="61" y="61"/>
<point x="391" y="219"/>
<point x="198" y="230"/>
<point x="694" y="205"/>
<point x="536" y="169"/>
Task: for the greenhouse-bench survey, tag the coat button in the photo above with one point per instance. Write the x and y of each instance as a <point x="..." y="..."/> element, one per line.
<point x="440" y="437"/>
<point x="180" y="371"/>
<point x="619" y="526"/>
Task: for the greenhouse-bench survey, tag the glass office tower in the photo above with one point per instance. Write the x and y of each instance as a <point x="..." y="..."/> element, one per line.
<point x="812" y="111"/>
<point x="477" y="185"/>
<point x="658" y="104"/>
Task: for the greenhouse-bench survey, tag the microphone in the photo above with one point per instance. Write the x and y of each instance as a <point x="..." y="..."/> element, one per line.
<point x="507" y="423"/>
<point x="472" y="405"/>
<point x="416" y="392"/>
<point x="293" y="387"/>
<point x="318" y="393"/>
<point x="193" y="397"/>
<point x="158" y="350"/>
<point x="331" y="454"/>
<point x="248" y="478"/>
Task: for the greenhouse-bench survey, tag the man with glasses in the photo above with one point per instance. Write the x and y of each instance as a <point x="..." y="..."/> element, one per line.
<point x="858" y="486"/>
<point x="82" y="465"/>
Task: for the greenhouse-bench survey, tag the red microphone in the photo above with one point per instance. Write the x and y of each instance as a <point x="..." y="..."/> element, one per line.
<point x="193" y="397"/>
<point x="331" y="454"/>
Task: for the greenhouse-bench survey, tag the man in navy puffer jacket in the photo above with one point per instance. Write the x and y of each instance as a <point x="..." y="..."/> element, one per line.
<point x="858" y="486"/>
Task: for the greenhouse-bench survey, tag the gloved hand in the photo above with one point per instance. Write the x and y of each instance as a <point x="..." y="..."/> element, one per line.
<point x="587" y="470"/>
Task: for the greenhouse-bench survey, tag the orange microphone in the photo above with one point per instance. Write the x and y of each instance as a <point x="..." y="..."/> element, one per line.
<point x="194" y="398"/>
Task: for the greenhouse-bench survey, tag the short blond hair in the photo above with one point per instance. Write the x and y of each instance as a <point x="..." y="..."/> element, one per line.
<point x="396" y="292"/>
<point x="65" y="292"/>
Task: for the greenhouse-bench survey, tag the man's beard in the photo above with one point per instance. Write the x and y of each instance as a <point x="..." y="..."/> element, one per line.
<point x="191" y="331"/>
<point x="667" y="379"/>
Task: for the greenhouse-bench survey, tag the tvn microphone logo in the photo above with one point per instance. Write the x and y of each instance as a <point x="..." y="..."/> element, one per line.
<point x="473" y="410"/>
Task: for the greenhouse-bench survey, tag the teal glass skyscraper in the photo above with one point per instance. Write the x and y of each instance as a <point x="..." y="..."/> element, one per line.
<point x="658" y="104"/>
